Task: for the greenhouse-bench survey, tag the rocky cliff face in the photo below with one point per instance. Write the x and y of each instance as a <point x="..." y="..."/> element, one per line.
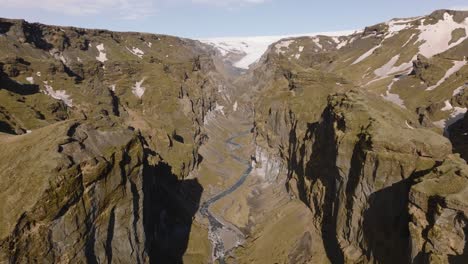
<point x="360" y="140"/>
<point x="438" y="212"/>
<point x="82" y="204"/>
<point x="108" y="126"/>
<point x="357" y="153"/>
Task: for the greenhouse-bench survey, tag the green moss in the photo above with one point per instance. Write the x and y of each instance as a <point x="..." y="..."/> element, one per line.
<point x="457" y="34"/>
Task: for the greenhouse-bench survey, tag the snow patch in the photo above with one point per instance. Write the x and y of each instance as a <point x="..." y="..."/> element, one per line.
<point x="59" y="94"/>
<point x="317" y="42"/>
<point x="408" y="41"/>
<point x="136" y="51"/>
<point x="342" y="44"/>
<point x="102" y="55"/>
<point x="30" y="79"/>
<point x="366" y="55"/>
<point x="252" y="48"/>
<point x="459" y="90"/>
<point x="112" y="87"/>
<point x="397" y="25"/>
<point x="38" y="74"/>
<point x="435" y="38"/>
<point x="234" y="107"/>
<point x="390" y="68"/>
<point x="457" y="65"/>
<point x="448" y="106"/>
<point x="283" y="45"/>
<point x="139" y="90"/>
<point x="394" y="98"/>
<point x="408" y="125"/>
<point x="457" y="114"/>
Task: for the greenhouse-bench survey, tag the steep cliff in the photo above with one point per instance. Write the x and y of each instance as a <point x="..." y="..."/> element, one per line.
<point x="356" y="128"/>
<point x="108" y="125"/>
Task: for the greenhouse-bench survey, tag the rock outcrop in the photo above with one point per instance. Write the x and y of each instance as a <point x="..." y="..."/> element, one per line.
<point x="439" y="214"/>
<point x="74" y="195"/>
<point x="100" y="131"/>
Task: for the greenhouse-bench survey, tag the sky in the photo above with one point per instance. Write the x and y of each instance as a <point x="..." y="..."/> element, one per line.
<point x="221" y="18"/>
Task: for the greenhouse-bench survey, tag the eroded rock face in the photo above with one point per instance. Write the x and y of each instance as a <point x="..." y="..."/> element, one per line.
<point x="359" y="174"/>
<point x="101" y="130"/>
<point x="79" y="196"/>
<point x="458" y="133"/>
<point x="439" y="214"/>
<point x="354" y="169"/>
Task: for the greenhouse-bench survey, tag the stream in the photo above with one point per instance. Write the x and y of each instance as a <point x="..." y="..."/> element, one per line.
<point x="218" y="228"/>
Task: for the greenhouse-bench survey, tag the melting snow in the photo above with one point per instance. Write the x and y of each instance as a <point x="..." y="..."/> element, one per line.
<point x="102" y="55"/>
<point x="30" y="80"/>
<point x="459" y="90"/>
<point x="457" y="65"/>
<point x="59" y="95"/>
<point x="38" y="74"/>
<point x="367" y="54"/>
<point x="235" y="107"/>
<point x="394" y="98"/>
<point x="408" y="125"/>
<point x="457" y="114"/>
<point x="342" y="44"/>
<point x="317" y="42"/>
<point x="448" y="106"/>
<point x="112" y="87"/>
<point x="139" y="90"/>
<point x="283" y="45"/>
<point x="408" y="41"/>
<point x="149" y="44"/>
<point x="252" y="48"/>
<point x="389" y="67"/>
<point x="136" y="51"/>
<point x="301" y="48"/>
<point x="435" y="38"/>
<point x="397" y="25"/>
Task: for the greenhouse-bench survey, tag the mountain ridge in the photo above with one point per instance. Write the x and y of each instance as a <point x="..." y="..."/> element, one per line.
<point x="134" y="147"/>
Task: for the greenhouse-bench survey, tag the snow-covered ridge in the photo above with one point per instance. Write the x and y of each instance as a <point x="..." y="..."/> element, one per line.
<point x="252" y="48"/>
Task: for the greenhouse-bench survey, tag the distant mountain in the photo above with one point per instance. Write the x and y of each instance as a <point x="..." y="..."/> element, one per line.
<point x="242" y="52"/>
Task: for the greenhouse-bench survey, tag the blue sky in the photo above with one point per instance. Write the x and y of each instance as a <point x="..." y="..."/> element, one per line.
<point x="220" y="18"/>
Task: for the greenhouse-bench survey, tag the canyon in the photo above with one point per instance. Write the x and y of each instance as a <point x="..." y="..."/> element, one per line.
<point x="127" y="147"/>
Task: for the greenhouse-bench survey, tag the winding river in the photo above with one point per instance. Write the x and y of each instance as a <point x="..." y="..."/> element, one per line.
<point x="217" y="225"/>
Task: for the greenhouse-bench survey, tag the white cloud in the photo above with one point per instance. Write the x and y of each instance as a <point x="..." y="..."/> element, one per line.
<point x="126" y="9"/>
<point x="230" y="2"/>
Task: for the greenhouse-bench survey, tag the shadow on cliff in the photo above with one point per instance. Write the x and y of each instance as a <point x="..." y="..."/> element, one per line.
<point x="321" y="167"/>
<point x="386" y="221"/>
<point x="385" y="224"/>
<point x="11" y="85"/>
<point x="169" y="208"/>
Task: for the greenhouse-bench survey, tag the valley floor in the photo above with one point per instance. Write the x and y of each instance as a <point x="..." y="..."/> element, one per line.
<point x="244" y="210"/>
